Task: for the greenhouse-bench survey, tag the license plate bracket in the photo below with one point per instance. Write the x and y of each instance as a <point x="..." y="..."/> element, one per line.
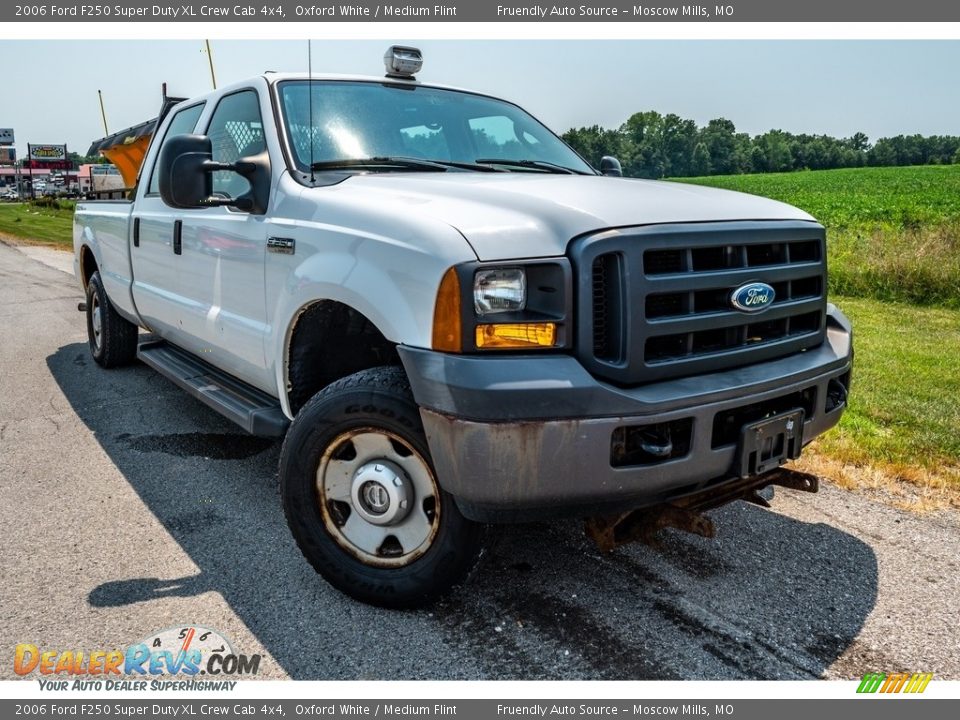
<point x="767" y="444"/>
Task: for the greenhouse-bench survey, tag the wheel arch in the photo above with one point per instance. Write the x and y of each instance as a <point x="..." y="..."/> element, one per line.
<point x="327" y="340"/>
<point x="88" y="263"/>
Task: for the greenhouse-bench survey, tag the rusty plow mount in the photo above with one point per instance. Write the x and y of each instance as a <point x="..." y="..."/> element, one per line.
<point x="686" y="513"/>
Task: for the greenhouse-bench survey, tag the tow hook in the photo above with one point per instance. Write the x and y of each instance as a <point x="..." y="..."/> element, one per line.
<point x="82" y="307"/>
<point x="686" y="513"/>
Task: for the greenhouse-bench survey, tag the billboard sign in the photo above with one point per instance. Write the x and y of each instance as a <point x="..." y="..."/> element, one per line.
<point x="46" y="165"/>
<point x="8" y="156"/>
<point x="47" y="153"/>
<point x="6" y="136"/>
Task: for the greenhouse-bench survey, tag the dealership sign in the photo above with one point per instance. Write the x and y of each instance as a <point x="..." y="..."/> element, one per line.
<point x="6" y="136"/>
<point x="54" y="153"/>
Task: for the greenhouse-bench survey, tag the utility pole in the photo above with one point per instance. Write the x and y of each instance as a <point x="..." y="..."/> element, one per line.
<point x="103" y="114"/>
<point x="213" y="77"/>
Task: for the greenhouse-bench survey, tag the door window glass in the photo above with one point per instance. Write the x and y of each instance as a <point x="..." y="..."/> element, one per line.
<point x="235" y="131"/>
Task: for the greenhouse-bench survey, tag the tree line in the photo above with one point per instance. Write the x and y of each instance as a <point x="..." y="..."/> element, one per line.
<point x="651" y="145"/>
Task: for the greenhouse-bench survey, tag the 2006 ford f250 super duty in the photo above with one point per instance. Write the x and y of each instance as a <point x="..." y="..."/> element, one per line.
<point x="455" y="320"/>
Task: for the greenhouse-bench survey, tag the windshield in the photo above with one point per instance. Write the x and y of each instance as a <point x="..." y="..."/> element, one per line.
<point x="359" y="120"/>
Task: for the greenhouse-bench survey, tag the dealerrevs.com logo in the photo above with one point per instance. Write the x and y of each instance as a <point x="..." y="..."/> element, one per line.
<point x="181" y="654"/>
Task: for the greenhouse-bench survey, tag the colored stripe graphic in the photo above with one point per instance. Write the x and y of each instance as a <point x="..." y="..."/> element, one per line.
<point x="894" y="683"/>
<point x="871" y="682"/>
<point x="918" y="683"/>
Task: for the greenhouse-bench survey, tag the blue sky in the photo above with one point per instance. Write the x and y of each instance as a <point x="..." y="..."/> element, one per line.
<point x="833" y="87"/>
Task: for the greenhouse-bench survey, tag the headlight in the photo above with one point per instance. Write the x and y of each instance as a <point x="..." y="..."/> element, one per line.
<point x="500" y="290"/>
<point x="524" y="306"/>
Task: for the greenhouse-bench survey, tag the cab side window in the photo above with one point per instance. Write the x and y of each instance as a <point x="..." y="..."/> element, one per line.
<point x="183" y="123"/>
<point x="235" y="131"/>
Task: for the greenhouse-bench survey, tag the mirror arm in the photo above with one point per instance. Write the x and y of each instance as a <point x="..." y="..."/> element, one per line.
<point x="241" y="167"/>
<point x="240" y="203"/>
<point x="214" y="166"/>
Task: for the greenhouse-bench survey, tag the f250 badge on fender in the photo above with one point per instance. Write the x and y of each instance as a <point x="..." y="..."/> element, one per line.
<point x="752" y="297"/>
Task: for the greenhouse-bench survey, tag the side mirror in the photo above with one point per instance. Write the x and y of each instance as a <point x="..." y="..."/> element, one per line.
<point x="610" y="166"/>
<point x="186" y="170"/>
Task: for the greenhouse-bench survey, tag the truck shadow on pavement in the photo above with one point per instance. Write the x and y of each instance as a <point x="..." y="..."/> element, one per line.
<point x="771" y="597"/>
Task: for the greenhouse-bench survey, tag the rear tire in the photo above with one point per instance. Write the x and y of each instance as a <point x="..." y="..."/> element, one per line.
<point x="361" y="497"/>
<point x="112" y="338"/>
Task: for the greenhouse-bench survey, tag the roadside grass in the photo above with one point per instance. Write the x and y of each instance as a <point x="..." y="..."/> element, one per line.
<point x="38" y="224"/>
<point x="893" y="249"/>
<point x="904" y="410"/>
<point x="893" y="233"/>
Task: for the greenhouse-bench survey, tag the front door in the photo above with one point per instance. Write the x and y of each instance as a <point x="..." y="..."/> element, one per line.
<point x="223" y="254"/>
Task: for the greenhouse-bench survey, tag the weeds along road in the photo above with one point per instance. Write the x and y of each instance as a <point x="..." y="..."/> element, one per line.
<point x="129" y="507"/>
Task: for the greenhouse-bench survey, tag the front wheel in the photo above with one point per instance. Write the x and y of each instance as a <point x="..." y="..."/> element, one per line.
<point x="361" y="496"/>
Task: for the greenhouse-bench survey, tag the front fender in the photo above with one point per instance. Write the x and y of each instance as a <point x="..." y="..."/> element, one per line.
<point x="393" y="284"/>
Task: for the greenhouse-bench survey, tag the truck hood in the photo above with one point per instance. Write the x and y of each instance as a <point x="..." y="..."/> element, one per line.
<point x="519" y="215"/>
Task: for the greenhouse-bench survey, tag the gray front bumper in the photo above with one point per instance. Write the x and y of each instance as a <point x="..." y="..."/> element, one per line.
<point x="514" y="438"/>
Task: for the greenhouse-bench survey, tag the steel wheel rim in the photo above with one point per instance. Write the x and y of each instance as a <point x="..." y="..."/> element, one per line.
<point x="341" y="479"/>
<point x="96" y="321"/>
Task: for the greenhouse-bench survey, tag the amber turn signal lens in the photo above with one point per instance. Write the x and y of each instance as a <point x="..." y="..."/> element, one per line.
<point x="517" y="335"/>
<point x="447" y="334"/>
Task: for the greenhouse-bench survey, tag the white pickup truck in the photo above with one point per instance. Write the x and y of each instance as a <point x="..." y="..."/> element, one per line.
<point x="455" y="320"/>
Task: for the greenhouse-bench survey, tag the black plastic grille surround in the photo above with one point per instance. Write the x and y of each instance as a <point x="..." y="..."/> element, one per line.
<point x="654" y="302"/>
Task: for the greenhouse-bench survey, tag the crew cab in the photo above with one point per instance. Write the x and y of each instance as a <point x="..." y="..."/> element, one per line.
<point x="453" y="320"/>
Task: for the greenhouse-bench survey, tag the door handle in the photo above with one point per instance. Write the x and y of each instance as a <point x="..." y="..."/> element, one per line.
<point x="178" y="237"/>
<point x="136" y="232"/>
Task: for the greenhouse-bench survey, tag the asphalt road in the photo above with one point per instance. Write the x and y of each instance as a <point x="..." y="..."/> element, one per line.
<point x="129" y="507"/>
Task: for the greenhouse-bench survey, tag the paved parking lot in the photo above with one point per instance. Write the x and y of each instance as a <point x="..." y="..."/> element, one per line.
<point x="129" y="507"/>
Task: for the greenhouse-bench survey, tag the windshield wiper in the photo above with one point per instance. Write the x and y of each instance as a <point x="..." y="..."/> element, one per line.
<point x="407" y="163"/>
<point x="404" y="163"/>
<point x="537" y="164"/>
<point x="468" y="166"/>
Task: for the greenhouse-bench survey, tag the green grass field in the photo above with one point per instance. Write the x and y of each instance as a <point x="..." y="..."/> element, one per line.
<point x="893" y="233"/>
<point x="893" y="246"/>
<point x="903" y="409"/>
<point x="45" y="225"/>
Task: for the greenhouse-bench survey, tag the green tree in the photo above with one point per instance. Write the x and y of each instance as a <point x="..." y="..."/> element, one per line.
<point x="700" y="164"/>
<point x="859" y="141"/>
<point x="721" y="142"/>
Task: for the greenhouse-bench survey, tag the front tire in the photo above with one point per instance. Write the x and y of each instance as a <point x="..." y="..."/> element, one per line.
<point x="112" y="338"/>
<point x="361" y="496"/>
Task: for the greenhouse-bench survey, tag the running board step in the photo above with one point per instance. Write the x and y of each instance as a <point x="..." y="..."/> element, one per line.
<point x="253" y="410"/>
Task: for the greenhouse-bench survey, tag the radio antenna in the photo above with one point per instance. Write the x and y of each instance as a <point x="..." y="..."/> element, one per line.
<point x="310" y="101"/>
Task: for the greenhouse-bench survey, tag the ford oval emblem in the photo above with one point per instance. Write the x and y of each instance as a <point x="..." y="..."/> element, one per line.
<point x="753" y="297"/>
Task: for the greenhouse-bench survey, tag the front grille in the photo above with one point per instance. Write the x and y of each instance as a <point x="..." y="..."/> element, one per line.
<point x="659" y="300"/>
<point x="728" y="257"/>
<point x="607" y="296"/>
<point x="664" y="348"/>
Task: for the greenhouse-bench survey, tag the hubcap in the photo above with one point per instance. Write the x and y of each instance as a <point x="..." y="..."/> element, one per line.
<point x="378" y="497"/>
<point x="380" y="494"/>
